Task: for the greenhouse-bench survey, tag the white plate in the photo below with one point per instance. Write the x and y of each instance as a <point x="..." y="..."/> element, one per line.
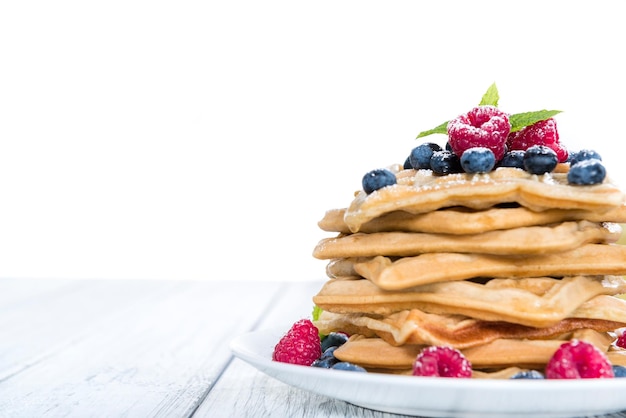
<point x="438" y="397"/>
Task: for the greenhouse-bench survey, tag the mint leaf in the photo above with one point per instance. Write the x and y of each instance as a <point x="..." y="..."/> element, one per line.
<point x="491" y="97"/>
<point x="317" y="311"/>
<point x="521" y="120"/>
<point x="441" y="129"/>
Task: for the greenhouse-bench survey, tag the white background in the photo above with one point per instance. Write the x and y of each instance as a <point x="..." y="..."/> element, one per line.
<point x="204" y="140"/>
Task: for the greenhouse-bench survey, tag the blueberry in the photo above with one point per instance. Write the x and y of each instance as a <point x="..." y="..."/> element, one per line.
<point x="334" y="339"/>
<point x="327" y="359"/>
<point x="540" y="159"/>
<point x="513" y="158"/>
<point x="377" y="179"/>
<point x="325" y="363"/>
<point x="586" y="172"/>
<point x="478" y="160"/>
<point x="583" y="155"/>
<point x="528" y="374"/>
<point x="329" y="352"/>
<point x="344" y="365"/>
<point x="420" y="155"/>
<point x="619" y="371"/>
<point x="407" y="164"/>
<point x="445" y="162"/>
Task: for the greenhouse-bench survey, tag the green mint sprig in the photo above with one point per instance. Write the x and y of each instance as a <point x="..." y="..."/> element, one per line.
<point x="317" y="311"/>
<point x="520" y="120"/>
<point x="491" y="98"/>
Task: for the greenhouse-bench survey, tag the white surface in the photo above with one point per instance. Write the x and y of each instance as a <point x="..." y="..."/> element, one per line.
<point x="438" y="397"/>
<point x="201" y="139"/>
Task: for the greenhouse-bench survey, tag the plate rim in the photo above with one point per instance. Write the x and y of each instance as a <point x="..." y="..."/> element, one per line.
<point x="246" y="348"/>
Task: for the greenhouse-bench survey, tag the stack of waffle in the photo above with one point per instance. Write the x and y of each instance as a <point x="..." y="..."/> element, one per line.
<point x="504" y="266"/>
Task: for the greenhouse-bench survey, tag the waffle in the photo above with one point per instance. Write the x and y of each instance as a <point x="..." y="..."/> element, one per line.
<point x="524" y="240"/>
<point x="505" y="266"/>
<point x="398" y="274"/>
<point x="507" y="356"/>
<point x="420" y="191"/>
<point x="418" y="327"/>
<point x="461" y="220"/>
<point x="535" y="302"/>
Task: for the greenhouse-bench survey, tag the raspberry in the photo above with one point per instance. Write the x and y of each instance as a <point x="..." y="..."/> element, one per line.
<point x="300" y="345"/>
<point x="483" y="126"/>
<point x="578" y="360"/>
<point x="540" y="133"/>
<point x="621" y="340"/>
<point x="440" y="361"/>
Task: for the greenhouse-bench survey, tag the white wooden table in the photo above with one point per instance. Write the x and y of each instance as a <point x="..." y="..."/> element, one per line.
<point x="113" y="348"/>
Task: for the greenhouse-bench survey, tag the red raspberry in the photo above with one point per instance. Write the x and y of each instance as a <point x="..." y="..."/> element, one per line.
<point x="578" y="360"/>
<point x="483" y="126"/>
<point x="440" y="361"/>
<point x="300" y="345"/>
<point x="540" y="133"/>
<point x="621" y="340"/>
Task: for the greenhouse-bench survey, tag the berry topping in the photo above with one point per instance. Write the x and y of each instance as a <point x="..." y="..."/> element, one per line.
<point x="478" y="160"/>
<point x="619" y="371"/>
<point x="445" y="162"/>
<point x="587" y="172"/>
<point x="528" y="374"/>
<point x="377" y="179"/>
<point x="327" y="360"/>
<point x="420" y="155"/>
<point x="540" y="133"/>
<point x="344" y="365"/>
<point x="578" y="360"/>
<point x="539" y="159"/>
<point x="514" y="158"/>
<point x="621" y="340"/>
<point x="483" y="126"/>
<point x="300" y="345"/>
<point x="334" y="339"/>
<point x="583" y="155"/>
<point x="441" y="361"/>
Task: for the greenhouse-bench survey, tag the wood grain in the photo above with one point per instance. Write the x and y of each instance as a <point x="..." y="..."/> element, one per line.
<point x="119" y="348"/>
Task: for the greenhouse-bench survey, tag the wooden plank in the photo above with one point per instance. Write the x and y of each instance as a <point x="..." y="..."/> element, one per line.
<point x="155" y="357"/>
<point x="14" y="291"/>
<point x="294" y="302"/>
<point x="41" y="317"/>
<point x="244" y="391"/>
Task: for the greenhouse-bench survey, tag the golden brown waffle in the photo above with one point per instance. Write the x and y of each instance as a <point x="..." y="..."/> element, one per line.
<point x="535" y="302"/>
<point x="414" y="326"/>
<point x="524" y="240"/>
<point x="390" y="274"/>
<point x="420" y="191"/>
<point x="459" y="220"/>
<point x="505" y="266"/>
<point x="497" y="359"/>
